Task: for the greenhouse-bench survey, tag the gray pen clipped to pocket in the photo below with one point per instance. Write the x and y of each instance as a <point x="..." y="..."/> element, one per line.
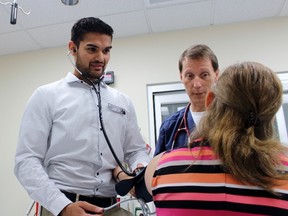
<point x="116" y="109"/>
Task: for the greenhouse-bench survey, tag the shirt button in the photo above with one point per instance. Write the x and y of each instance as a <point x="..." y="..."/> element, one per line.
<point x="97" y="173"/>
<point x="101" y="153"/>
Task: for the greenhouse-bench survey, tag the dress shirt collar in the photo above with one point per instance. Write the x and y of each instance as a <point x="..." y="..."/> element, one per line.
<point x="70" y="78"/>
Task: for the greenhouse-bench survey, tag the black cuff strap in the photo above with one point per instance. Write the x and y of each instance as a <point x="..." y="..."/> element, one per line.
<point x="117" y="176"/>
<point x="123" y="187"/>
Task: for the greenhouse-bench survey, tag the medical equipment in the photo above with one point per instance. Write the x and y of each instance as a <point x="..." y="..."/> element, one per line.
<point x="14" y="11"/>
<point x="145" y="208"/>
<point x="97" y="91"/>
<point x="182" y="127"/>
<point x="138" y="181"/>
<point x="70" y="2"/>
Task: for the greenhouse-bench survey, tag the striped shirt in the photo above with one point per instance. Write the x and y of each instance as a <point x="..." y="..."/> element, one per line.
<point x="205" y="189"/>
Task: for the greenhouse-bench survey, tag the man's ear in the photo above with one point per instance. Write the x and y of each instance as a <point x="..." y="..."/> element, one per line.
<point x="181" y="76"/>
<point x="209" y="98"/>
<point x="72" y="47"/>
<point x="217" y="74"/>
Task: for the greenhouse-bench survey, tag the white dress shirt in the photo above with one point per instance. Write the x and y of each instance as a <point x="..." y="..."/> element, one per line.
<point x="61" y="144"/>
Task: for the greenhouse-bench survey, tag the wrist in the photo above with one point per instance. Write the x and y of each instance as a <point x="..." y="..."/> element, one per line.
<point x="62" y="213"/>
<point x="118" y="175"/>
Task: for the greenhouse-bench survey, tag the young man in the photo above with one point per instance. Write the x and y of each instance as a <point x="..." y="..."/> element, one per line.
<point x="199" y="70"/>
<point x="63" y="157"/>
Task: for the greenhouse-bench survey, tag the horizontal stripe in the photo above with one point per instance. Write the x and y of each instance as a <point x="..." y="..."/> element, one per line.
<point x="223" y="197"/>
<point x="196" y="177"/>
<point x="261" y="201"/>
<point x="219" y="190"/>
<point x="186" y="186"/>
<point x="189" y="163"/>
<point x="191" y="212"/>
<point x="182" y="153"/>
<point x="228" y="206"/>
<point x="194" y="169"/>
<point x="215" y="179"/>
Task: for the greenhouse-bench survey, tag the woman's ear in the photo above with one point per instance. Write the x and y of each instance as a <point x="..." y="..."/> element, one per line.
<point x="209" y="98"/>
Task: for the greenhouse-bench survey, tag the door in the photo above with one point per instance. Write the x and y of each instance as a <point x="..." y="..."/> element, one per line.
<point x="281" y="122"/>
<point x="163" y="100"/>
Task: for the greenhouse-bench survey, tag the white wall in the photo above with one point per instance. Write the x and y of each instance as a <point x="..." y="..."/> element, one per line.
<point x="136" y="61"/>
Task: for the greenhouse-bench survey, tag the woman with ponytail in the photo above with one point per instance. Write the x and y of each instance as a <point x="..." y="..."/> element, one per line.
<point x="235" y="165"/>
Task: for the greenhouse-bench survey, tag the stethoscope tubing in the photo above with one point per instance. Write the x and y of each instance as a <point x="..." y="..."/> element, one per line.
<point x="183" y="120"/>
<point x="100" y="115"/>
<point x="103" y="128"/>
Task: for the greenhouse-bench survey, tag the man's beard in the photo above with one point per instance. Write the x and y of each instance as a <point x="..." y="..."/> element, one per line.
<point x="86" y="71"/>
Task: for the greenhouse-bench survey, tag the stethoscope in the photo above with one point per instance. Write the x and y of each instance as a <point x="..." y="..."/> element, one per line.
<point x="183" y="126"/>
<point x="97" y="91"/>
<point x="145" y="209"/>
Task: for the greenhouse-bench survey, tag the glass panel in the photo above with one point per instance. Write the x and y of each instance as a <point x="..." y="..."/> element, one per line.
<point x="163" y="100"/>
<point x="285" y="115"/>
<point x="276" y="129"/>
<point x="167" y="103"/>
<point x="285" y="110"/>
<point x="169" y="109"/>
<point x="282" y="121"/>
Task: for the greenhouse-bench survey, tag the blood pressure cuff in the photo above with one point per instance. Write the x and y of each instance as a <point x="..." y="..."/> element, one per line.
<point x="123" y="187"/>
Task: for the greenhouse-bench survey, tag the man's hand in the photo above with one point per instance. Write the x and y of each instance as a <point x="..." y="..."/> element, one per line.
<point x="140" y="166"/>
<point x="81" y="208"/>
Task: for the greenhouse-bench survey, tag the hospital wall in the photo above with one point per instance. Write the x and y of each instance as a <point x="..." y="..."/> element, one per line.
<point x="136" y="62"/>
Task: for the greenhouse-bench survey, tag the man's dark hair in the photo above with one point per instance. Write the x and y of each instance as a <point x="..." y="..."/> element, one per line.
<point x="88" y="25"/>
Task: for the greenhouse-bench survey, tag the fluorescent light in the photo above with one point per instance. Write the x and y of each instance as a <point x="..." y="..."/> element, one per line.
<point x="70" y="2"/>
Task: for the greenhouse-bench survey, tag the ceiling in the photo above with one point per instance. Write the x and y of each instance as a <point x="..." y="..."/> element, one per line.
<point x="49" y="23"/>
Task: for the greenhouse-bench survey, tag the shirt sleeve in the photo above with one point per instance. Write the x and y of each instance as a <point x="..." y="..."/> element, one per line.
<point x="30" y="152"/>
<point x="135" y="146"/>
